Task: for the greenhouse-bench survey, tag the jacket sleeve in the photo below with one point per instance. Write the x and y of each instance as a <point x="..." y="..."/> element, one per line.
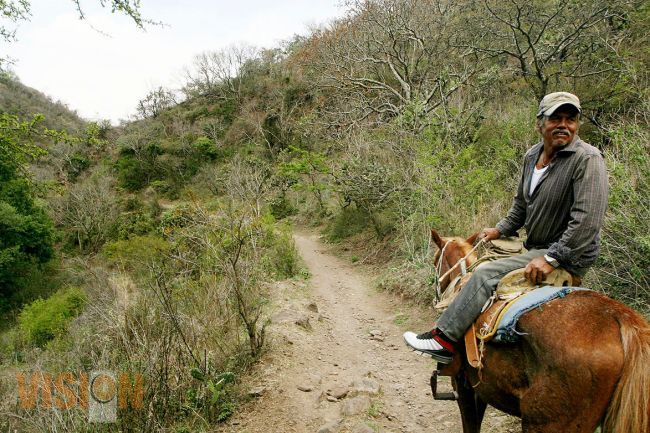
<point x="516" y="216"/>
<point x="587" y="213"/>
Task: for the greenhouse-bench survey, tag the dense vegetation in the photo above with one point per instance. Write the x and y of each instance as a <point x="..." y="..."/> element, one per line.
<point x="153" y="244"/>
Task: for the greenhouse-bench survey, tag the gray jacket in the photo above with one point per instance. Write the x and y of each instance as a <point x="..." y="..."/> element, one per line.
<point x="566" y="210"/>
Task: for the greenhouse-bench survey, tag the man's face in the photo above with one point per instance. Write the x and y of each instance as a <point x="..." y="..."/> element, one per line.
<point x="560" y="127"/>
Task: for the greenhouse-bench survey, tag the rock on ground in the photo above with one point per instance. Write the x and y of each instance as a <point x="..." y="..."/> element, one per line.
<point x="356" y="405"/>
<point x="330" y="427"/>
<point x="365" y="386"/>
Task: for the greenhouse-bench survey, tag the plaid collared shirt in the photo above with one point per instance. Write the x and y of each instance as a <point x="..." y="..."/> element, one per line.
<point x="566" y="210"/>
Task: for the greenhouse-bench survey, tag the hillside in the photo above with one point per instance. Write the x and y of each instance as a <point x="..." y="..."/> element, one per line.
<point x="158" y="247"/>
<point x="24" y="101"/>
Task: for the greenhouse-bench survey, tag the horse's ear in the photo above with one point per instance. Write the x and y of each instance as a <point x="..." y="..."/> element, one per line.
<point x="437" y="239"/>
<point x="470" y="240"/>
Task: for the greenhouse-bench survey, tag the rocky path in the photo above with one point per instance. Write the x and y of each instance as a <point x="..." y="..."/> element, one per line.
<point x="337" y="362"/>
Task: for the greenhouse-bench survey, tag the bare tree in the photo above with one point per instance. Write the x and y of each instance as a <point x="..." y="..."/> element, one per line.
<point x="391" y="58"/>
<point x="238" y="262"/>
<point x="220" y="73"/>
<point x="248" y="181"/>
<point x="89" y="211"/>
<point x="232" y="242"/>
<point x="546" y="42"/>
<point x="156" y="102"/>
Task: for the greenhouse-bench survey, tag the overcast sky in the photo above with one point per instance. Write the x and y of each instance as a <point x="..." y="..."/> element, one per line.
<point x="103" y="76"/>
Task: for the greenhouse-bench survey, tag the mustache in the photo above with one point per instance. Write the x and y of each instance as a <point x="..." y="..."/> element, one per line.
<point x="562" y="131"/>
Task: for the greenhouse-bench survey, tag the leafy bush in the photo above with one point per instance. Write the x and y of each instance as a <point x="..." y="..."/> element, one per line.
<point x="135" y="252"/>
<point x="281" y="208"/>
<point x="283" y="254"/>
<point x="138" y="162"/>
<point x="76" y="165"/>
<point x="214" y="396"/>
<point x="206" y="147"/>
<point x="175" y="218"/>
<point x="136" y="219"/>
<point x="306" y="171"/>
<point x="45" y="319"/>
<point x="350" y="221"/>
<point x="132" y="174"/>
<point x="26" y="232"/>
<point x="25" y="240"/>
<point x="161" y="186"/>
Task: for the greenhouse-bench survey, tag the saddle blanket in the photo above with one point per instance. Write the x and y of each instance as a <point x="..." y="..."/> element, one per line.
<point x="506" y="328"/>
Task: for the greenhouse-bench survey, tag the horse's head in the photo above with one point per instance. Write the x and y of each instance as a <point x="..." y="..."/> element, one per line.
<point x="450" y="251"/>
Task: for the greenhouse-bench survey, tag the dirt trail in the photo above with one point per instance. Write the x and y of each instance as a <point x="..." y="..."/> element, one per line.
<point x="337" y="362"/>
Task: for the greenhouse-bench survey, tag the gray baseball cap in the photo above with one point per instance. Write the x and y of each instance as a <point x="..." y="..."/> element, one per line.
<point x="553" y="101"/>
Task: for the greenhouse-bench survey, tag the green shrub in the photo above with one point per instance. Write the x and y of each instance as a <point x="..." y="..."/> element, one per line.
<point x="283" y="254"/>
<point x="135" y="170"/>
<point x="281" y="208"/>
<point x="45" y="319"/>
<point x="25" y="240"/>
<point x="135" y="252"/>
<point x="206" y="147"/>
<point x="195" y="114"/>
<point x="136" y="218"/>
<point x="131" y="174"/>
<point x="26" y="232"/>
<point x="134" y="223"/>
<point x="76" y="165"/>
<point x="214" y="395"/>
<point x="161" y="186"/>
<point x="175" y="218"/>
<point x="350" y="221"/>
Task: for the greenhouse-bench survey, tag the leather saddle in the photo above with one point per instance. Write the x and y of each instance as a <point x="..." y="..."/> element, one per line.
<point x="510" y="288"/>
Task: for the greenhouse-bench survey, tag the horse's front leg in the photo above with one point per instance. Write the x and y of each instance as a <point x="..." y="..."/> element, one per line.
<point x="472" y="407"/>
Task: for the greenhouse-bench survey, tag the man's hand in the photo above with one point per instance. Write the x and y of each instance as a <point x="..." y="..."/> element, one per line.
<point x="537" y="270"/>
<point x="489" y="234"/>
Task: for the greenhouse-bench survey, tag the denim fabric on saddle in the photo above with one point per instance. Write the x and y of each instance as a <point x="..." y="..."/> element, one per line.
<point x="506" y="327"/>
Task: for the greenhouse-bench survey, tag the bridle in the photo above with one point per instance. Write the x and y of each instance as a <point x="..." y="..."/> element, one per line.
<point x="438" y="270"/>
<point x="462" y="262"/>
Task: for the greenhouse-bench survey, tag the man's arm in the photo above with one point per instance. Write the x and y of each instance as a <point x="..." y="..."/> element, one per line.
<point x="587" y="213"/>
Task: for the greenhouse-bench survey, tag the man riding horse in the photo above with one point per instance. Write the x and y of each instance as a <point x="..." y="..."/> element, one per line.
<point x="561" y="201"/>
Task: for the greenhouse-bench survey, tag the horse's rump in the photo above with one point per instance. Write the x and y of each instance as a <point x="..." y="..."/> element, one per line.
<point x="570" y="361"/>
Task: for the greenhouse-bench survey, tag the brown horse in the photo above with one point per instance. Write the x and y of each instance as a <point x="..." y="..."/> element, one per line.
<point x="583" y="361"/>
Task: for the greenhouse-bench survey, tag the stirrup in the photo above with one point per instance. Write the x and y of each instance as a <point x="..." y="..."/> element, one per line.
<point x="449" y="396"/>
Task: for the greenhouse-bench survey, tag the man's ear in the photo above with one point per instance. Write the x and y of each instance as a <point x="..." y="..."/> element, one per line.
<point x="470" y="240"/>
<point x="437" y="239"/>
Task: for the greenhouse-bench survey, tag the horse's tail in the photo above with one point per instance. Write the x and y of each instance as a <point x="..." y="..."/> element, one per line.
<point x="629" y="409"/>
